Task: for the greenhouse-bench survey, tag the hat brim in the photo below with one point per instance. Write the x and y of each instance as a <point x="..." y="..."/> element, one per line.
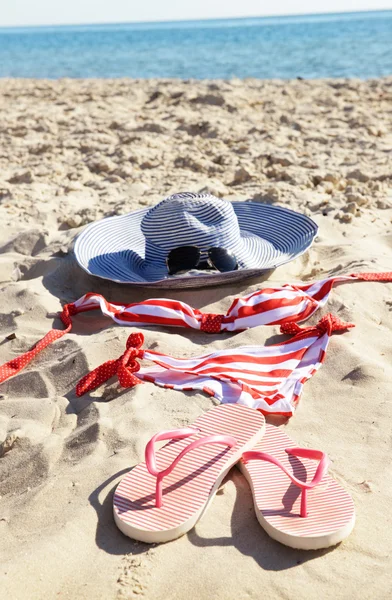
<point x="113" y="248"/>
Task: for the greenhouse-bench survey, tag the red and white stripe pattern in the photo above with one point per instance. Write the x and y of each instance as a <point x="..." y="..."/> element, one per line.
<point x="268" y="378"/>
<point x="278" y="501"/>
<point x="270" y="306"/>
<point x="188" y="488"/>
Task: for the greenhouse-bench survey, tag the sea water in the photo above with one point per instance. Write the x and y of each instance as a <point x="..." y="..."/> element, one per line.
<point x="311" y="46"/>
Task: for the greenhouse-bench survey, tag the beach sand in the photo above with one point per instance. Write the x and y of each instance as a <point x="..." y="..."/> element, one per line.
<point x="72" y="152"/>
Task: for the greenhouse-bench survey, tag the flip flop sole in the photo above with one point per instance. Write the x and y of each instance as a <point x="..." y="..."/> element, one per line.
<point x="331" y="513"/>
<point x="190" y="487"/>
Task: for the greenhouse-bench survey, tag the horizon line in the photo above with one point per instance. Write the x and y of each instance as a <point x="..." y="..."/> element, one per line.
<point x="167" y="21"/>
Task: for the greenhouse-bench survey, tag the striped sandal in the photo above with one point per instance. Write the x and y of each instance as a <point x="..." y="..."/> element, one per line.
<point x="160" y="503"/>
<point x="312" y="511"/>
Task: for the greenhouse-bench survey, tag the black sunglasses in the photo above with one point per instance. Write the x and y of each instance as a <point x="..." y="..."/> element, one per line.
<point x="185" y="258"/>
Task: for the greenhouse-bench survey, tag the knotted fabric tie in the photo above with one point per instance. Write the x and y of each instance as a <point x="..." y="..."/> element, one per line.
<point x="327" y="324"/>
<point x="211" y="323"/>
<point x="254" y="375"/>
<point x="268" y="306"/>
<point x="124" y="367"/>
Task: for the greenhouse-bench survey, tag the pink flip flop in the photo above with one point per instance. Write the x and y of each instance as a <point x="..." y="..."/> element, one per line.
<point x="163" y="497"/>
<point x="309" y="512"/>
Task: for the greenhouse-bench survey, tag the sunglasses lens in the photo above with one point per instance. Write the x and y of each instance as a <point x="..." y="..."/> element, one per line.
<point x="223" y="259"/>
<point x="182" y="258"/>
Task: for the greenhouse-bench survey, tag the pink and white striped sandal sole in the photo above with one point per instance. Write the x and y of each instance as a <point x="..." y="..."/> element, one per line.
<point x="296" y="501"/>
<point x="157" y="504"/>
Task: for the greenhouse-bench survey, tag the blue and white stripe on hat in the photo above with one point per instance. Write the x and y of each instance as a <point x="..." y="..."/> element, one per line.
<point x="133" y="248"/>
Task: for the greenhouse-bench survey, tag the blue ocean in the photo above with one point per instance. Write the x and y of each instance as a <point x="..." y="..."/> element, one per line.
<point x="311" y="46"/>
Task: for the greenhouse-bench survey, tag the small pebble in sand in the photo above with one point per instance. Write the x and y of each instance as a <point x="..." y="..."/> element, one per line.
<point x="101" y="165"/>
<point x="359" y="175"/>
<point x="383" y="204"/>
<point x="242" y="175"/>
<point x="8" y="443"/>
<point x="73" y="221"/>
<point x="332" y="178"/>
<point x="23" y="177"/>
<point x="351" y="207"/>
<point x="344" y="217"/>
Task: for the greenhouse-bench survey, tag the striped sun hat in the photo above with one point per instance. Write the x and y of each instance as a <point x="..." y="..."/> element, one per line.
<point x="133" y="248"/>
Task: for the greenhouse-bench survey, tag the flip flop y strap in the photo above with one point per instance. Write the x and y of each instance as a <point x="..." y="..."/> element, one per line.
<point x="321" y="470"/>
<point x="178" y="434"/>
<point x="192" y="473"/>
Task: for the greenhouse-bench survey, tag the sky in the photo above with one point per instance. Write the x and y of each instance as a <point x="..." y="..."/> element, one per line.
<point x="56" y="12"/>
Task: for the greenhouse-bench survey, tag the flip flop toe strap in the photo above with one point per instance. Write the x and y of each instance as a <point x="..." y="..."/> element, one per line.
<point x="321" y="470"/>
<point x="178" y="434"/>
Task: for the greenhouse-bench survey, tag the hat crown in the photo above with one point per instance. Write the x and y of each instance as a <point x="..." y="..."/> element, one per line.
<point x="190" y="219"/>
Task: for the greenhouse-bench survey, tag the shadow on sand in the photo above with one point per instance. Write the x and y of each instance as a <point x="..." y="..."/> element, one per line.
<point x="249" y="537"/>
<point x="246" y="533"/>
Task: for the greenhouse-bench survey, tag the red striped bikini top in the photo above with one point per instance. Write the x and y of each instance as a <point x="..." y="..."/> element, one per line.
<point x="269" y="306"/>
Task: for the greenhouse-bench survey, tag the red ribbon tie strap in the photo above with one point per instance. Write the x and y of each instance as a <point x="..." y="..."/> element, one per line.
<point x="124" y="367"/>
<point x="327" y="324"/>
